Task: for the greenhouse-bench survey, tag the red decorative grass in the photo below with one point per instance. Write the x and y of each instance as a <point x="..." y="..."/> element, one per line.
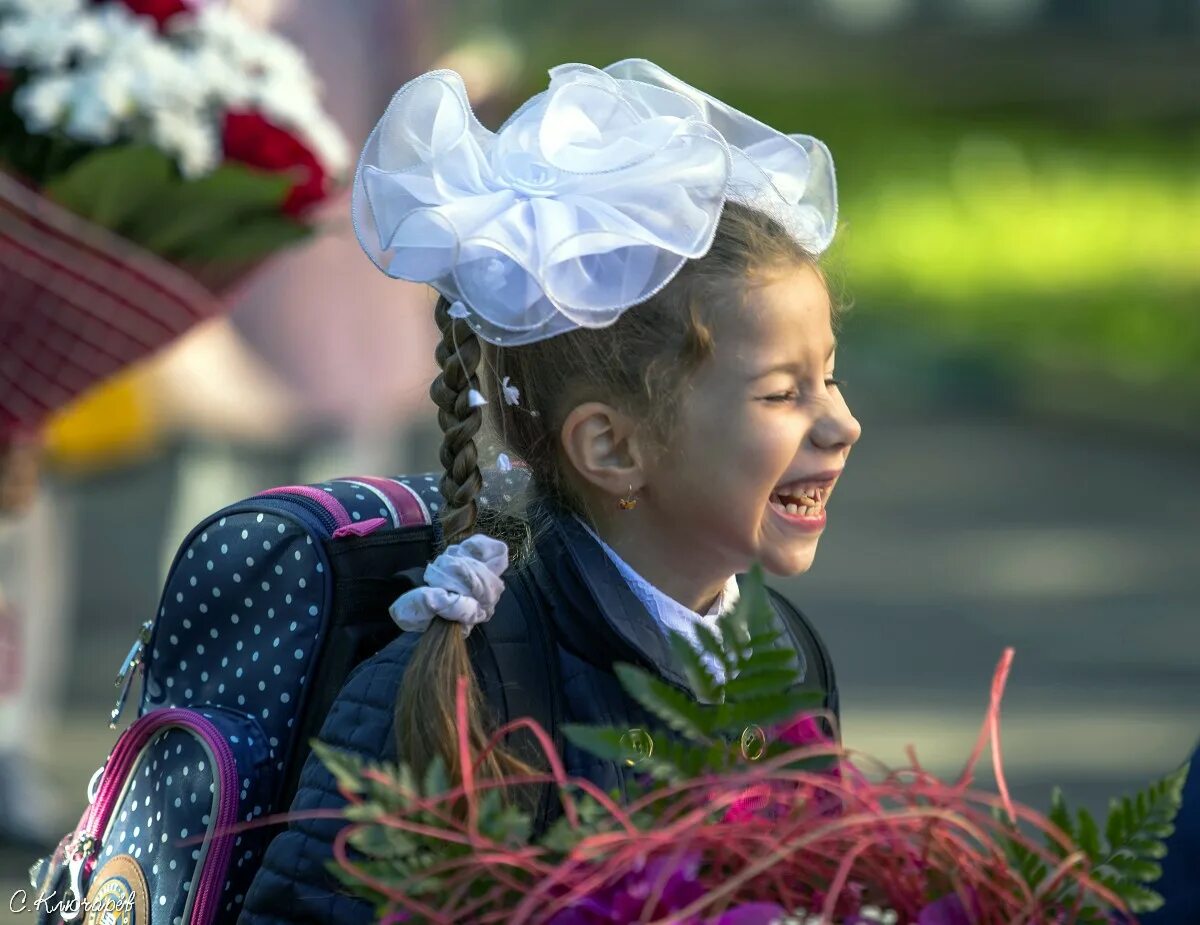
<point x="823" y="841"/>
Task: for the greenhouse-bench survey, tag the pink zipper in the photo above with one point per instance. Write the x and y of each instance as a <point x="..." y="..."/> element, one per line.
<point x="407" y="503"/>
<point x="116" y="769"/>
<point x="360" y="528"/>
<point x="340" y="515"/>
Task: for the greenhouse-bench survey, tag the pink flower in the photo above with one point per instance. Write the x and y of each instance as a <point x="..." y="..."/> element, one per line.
<point x="804" y="729"/>
<point x="753" y="803"/>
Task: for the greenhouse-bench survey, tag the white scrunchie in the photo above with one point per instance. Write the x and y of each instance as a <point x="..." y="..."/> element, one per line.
<point x="588" y="200"/>
<point x="463" y="586"/>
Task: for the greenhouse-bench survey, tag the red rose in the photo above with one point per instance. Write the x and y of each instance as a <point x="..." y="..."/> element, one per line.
<point x="6" y="81"/>
<point x="160" y="10"/>
<point x="252" y="140"/>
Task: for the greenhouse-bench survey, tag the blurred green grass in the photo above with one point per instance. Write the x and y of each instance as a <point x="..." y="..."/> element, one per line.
<point x="1004" y="197"/>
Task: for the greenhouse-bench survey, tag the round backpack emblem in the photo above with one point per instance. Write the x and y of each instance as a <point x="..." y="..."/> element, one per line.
<point x="118" y="895"/>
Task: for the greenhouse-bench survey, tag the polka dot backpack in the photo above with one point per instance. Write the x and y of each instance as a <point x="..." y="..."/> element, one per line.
<point x="268" y="606"/>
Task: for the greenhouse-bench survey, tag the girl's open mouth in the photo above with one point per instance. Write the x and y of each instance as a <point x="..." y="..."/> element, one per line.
<point x="803" y="502"/>
<point x="802" y="506"/>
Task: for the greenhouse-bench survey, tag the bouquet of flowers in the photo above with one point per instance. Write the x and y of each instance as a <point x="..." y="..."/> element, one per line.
<point x="746" y="813"/>
<point x="152" y="154"/>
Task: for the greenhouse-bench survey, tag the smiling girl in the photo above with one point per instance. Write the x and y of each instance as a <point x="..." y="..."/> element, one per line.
<point x="628" y="269"/>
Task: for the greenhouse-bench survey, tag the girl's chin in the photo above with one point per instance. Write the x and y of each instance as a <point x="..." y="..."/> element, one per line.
<point x="792" y="561"/>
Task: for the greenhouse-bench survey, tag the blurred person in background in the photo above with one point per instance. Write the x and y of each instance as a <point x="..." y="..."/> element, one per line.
<point x="355" y="349"/>
<point x="31" y="625"/>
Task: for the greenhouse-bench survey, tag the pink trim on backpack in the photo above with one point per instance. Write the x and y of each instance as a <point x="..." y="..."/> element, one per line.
<point x="408" y="504"/>
<point x="116" y="771"/>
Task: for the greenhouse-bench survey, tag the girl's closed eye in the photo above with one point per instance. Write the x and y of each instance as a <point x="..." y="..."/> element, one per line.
<point x="791" y="394"/>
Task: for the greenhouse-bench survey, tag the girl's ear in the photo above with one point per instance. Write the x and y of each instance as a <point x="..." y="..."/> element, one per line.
<point x="604" y="447"/>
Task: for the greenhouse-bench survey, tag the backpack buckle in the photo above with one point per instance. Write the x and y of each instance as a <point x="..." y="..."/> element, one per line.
<point x="125" y="673"/>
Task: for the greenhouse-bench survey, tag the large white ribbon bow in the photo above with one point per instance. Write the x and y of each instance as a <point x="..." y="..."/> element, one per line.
<point x="588" y="200"/>
<point x="463" y="586"/>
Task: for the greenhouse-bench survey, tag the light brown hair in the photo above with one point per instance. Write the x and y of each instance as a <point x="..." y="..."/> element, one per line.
<point x="640" y="364"/>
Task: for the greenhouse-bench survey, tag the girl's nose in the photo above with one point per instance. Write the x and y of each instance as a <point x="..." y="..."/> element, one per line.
<point x="837" y="428"/>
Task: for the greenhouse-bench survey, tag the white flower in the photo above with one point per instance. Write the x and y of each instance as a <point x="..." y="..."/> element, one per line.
<point x="47" y="39"/>
<point x="90" y="116"/>
<point x="101" y="73"/>
<point x="512" y="394"/>
<point x="42" y="102"/>
<point x="503" y="463"/>
<point x="194" y="145"/>
<point x="221" y="81"/>
<point x="39" y="6"/>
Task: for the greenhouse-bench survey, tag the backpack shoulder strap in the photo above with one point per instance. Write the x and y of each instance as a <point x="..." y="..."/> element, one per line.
<point x="524" y="657"/>
<point x="808" y="637"/>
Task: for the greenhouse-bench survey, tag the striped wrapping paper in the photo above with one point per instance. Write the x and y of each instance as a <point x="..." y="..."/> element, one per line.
<point x="77" y="304"/>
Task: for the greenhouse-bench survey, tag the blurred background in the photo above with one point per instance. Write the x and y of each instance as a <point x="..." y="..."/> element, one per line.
<point x="1020" y="248"/>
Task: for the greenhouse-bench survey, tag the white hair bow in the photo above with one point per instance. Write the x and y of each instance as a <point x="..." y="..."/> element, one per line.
<point x="587" y="201"/>
<point x="463" y="586"/>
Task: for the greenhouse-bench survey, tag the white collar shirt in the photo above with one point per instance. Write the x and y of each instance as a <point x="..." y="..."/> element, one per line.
<point x="667" y="612"/>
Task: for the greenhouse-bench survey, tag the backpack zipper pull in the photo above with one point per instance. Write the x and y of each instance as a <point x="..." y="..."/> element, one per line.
<point x="83" y="848"/>
<point x="126" y="672"/>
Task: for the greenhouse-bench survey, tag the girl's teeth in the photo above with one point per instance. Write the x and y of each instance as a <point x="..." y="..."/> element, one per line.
<point x="810" y="505"/>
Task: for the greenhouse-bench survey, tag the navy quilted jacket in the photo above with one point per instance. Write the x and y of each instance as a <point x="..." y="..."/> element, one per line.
<point x="595" y="620"/>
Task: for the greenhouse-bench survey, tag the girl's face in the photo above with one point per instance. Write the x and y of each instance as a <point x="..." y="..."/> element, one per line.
<point x="764" y="426"/>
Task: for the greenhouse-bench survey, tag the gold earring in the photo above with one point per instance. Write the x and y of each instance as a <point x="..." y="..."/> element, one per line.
<point x="628" y="504"/>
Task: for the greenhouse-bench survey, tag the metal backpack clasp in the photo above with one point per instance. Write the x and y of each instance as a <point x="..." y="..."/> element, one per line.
<point x="125" y="674"/>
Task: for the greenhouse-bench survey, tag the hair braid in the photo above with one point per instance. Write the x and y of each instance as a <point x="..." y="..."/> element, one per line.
<point x="458" y="355"/>
<point x="426" y="725"/>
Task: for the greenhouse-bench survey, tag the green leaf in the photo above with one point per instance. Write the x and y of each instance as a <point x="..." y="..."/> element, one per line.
<point x="382" y="841"/>
<point x="345" y="767"/>
<point x="699" y="677"/>
<point x="246" y="241"/>
<point x="675" y="759"/>
<point x="761" y="683"/>
<point x="675" y="708"/>
<point x="712" y="643"/>
<point x="771" y="660"/>
<point x="754" y="615"/>
<point x="1024" y="860"/>
<point x="1089" y="836"/>
<point x="560" y="837"/>
<point x="734" y="717"/>
<point x="603" y="742"/>
<point x="196" y="214"/>
<point x="765" y="639"/>
<point x="1145" y="847"/>
<point x="1141" y="899"/>
<point x="1134" y="830"/>
<point x="1061" y="817"/>
<point x="507" y="824"/>
<point x="1140" y="870"/>
<point x="364" y="812"/>
<point x="114" y="186"/>
<point x="437" y="780"/>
